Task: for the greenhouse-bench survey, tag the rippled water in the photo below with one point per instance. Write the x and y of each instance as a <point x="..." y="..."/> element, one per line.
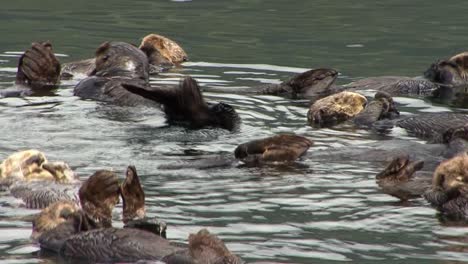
<point x="314" y="211"/>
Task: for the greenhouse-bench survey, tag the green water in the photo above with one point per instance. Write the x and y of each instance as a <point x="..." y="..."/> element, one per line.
<point x="318" y="212"/>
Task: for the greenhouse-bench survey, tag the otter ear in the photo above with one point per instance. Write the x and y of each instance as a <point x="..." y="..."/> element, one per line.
<point x="102" y="48"/>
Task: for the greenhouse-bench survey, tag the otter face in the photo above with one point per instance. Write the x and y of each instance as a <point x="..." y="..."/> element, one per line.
<point x="168" y="49"/>
<point x="52" y="216"/>
<point x="119" y="59"/>
<point x="451" y="176"/>
<point x="280" y="148"/>
<point x="61" y="172"/>
<point x="335" y="108"/>
<point x="453" y="71"/>
<point x="313" y="82"/>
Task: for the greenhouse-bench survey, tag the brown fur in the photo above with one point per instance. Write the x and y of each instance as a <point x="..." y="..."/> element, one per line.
<point x="38" y="66"/>
<point x="133" y="196"/>
<point x="172" y="51"/>
<point x="452" y="174"/>
<point x="280" y="148"/>
<point x="32" y="164"/>
<point x="209" y="249"/>
<point x="461" y="60"/>
<point x="336" y="108"/>
<point x="52" y="216"/>
<point x="99" y="195"/>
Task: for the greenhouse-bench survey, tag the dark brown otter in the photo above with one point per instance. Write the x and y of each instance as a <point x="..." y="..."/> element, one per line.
<point x="133" y="196"/>
<point x="186" y="106"/>
<point x="38" y="67"/>
<point x="449" y="72"/>
<point x="279" y="148"/>
<point x="99" y="195"/>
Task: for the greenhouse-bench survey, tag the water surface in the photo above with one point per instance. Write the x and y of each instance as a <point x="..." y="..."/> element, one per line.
<point x="310" y="212"/>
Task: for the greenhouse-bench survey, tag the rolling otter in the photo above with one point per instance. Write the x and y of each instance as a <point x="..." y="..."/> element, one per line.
<point x="185" y="105"/>
<point x="280" y="148"/>
<point x="161" y="52"/>
<point x="403" y="177"/>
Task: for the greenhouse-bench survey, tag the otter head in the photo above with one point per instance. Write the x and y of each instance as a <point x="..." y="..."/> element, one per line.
<point x="25" y="165"/>
<point x="38" y="67"/>
<point x="121" y="59"/>
<point x="133" y="196"/>
<point x="400" y="169"/>
<point x="98" y="196"/>
<point x="209" y="249"/>
<point x="167" y="50"/>
<point x="52" y="216"/>
<point x="452" y="72"/>
<point x="280" y="148"/>
<point x="335" y="109"/>
<point x="451" y="176"/>
<point x="312" y="82"/>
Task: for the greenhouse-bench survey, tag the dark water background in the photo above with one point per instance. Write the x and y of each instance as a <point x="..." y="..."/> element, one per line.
<point x="311" y="212"/>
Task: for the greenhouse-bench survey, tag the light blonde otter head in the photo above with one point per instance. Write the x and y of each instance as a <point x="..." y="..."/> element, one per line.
<point x="336" y="108"/>
<point x="168" y="48"/>
<point x="29" y="165"/>
<point x="452" y="174"/>
<point x="52" y="216"/>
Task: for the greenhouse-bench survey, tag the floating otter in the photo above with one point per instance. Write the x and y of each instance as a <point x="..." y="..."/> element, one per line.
<point x="38" y="72"/>
<point x="432" y="126"/>
<point x="186" y="106"/>
<point x="449" y="191"/>
<point x="403" y="177"/>
<point x="335" y="108"/>
<point x="81" y="236"/>
<point x="29" y="165"/>
<point x="280" y="148"/>
<point x="449" y="72"/>
<point x="97" y="197"/>
<point x="161" y="52"/>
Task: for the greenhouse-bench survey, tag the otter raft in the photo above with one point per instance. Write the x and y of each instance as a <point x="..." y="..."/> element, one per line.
<point x="215" y="132"/>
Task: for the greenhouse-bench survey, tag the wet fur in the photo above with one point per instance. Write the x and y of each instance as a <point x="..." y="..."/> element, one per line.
<point x="335" y="108"/>
<point x="133" y="196"/>
<point x="280" y="148"/>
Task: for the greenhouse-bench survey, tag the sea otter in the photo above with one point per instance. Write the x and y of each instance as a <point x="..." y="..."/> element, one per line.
<point x="343" y="106"/>
<point x="449" y="72"/>
<point x="408" y="177"/>
<point x="85" y="235"/>
<point x="162" y="53"/>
